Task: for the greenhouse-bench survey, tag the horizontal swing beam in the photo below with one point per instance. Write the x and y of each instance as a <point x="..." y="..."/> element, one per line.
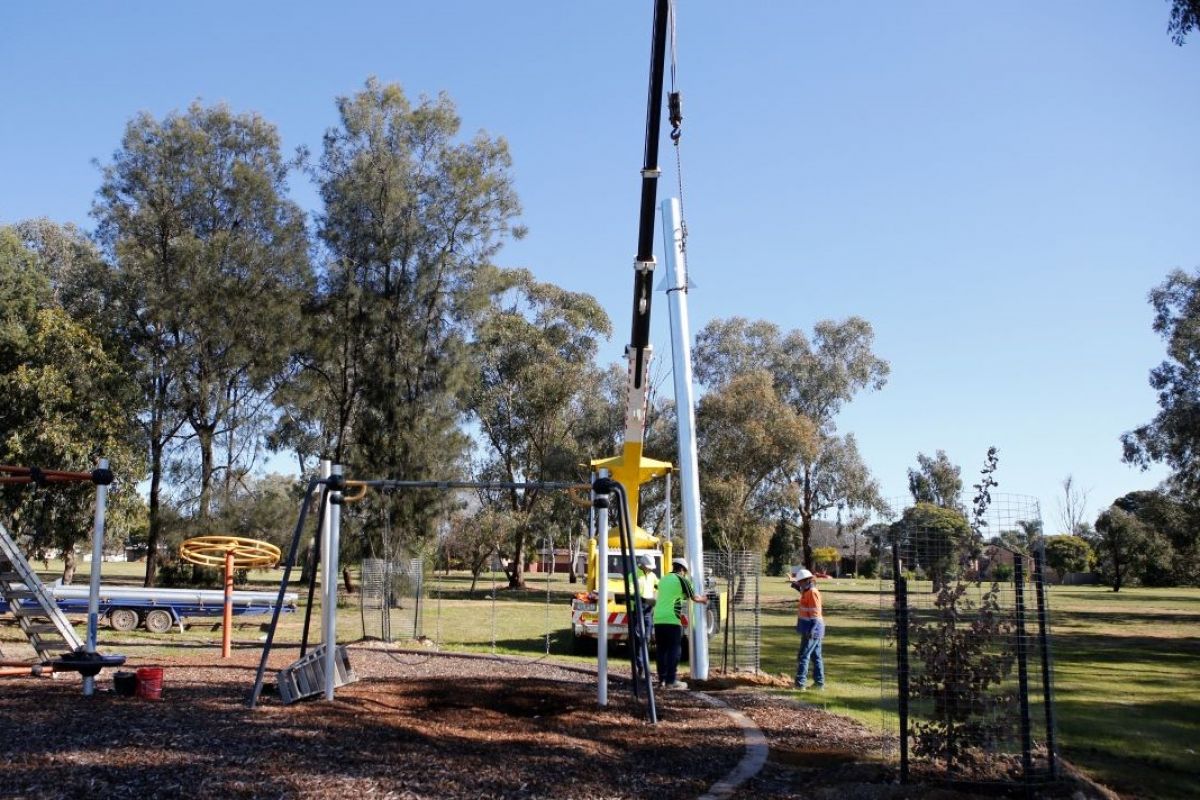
<point x="36" y="475"/>
<point x="391" y="485"/>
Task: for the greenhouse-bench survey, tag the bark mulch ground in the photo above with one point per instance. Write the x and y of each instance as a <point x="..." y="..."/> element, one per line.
<point x="419" y="726"/>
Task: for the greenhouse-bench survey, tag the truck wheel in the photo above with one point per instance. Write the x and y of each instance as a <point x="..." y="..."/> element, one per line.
<point x="123" y="619"/>
<point x="159" y="621"/>
<point x="582" y="645"/>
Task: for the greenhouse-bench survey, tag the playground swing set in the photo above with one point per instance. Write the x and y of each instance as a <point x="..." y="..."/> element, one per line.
<point x="615" y="479"/>
<point x="43" y="622"/>
<point x="327" y="666"/>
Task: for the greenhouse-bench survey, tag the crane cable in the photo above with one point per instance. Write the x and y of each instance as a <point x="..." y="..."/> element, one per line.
<point x="675" y="112"/>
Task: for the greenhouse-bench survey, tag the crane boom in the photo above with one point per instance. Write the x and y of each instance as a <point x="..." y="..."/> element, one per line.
<point x="630" y="468"/>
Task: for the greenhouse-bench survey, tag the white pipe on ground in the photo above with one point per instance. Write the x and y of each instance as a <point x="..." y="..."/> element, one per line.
<point x="685" y="406"/>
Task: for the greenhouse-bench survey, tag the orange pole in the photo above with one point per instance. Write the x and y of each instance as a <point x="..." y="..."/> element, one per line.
<point x="12" y="672"/>
<point x="227" y="622"/>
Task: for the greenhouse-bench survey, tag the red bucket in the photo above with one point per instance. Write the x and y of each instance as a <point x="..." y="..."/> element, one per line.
<point x="149" y="683"/>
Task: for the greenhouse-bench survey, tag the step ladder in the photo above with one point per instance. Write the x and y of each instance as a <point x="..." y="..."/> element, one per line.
<point x="306" y="676"/>
<point x="43" y="623"/>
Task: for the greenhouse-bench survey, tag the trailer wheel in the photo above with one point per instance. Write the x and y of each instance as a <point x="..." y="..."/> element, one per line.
<point x="159" y="621"/>
<point x="123" y="619"/>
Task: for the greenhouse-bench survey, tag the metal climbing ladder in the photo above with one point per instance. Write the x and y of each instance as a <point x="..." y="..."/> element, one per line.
<point x="44" y="625"/>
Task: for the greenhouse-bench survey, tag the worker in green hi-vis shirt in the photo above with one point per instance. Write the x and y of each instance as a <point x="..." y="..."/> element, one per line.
<point x="670" y="609"/>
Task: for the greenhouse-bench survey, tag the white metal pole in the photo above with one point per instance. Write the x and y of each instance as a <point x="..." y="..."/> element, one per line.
<point x="89" y="682"/>
<point x="329" y="601"/>
<point x="602" y="602"/>
<point x="685" y="405"/>
<point x="323" y="540"/>
<point x="670" y="522"/>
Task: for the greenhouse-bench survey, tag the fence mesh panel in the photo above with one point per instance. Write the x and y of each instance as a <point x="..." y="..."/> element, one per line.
<point x="965" y="661"/>
<point x="737" y="646"/>
<point x="393" y="599"/>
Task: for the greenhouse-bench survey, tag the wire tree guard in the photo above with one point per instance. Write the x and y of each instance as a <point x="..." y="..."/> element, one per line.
<point x="232" y="552"/>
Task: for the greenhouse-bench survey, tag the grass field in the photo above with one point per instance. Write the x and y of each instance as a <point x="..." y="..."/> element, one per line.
<point x="1127" y="665"/>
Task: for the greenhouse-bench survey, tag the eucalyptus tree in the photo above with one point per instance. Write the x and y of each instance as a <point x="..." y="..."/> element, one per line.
<point x="211" y="265"/>
<point x="534" y="354"/>
<point x="750" y="443"/>
<point x="413" y="215"/>
<point x="936" y="480"/>
<point x="1173" y="436"/>
<point x="65" y="406"/>
<point x="816" y="377"/>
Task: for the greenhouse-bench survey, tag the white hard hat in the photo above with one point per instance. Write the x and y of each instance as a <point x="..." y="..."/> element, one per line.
<point x="679" y="562"/>
<point x="645" y="561"/>
<point x="801" y="574"/>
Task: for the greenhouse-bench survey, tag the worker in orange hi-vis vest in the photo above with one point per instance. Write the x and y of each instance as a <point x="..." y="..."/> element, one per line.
<point x="811" y="627"/>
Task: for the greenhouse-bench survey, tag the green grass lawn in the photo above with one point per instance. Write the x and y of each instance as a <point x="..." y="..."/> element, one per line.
<point x="1127" y="665"/>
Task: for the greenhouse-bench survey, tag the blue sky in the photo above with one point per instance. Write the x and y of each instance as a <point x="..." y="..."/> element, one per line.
<point x="995" y="187"/>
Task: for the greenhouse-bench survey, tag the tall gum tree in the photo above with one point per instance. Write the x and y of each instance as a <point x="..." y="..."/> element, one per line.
<point x="1173" y="436"/>
<point x="66" y="404"/>
<point x="534" y="352"/>
<point x="413" y="216"/>
<point x="816" y="377"/>
<point x="211" y="263"/>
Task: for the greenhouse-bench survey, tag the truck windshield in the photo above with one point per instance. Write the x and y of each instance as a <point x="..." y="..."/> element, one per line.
<point x="614" y="563"/>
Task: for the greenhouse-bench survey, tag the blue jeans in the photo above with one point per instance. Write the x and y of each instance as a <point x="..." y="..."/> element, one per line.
<point x="669" y="643"/>
<point x="810" y="649"/>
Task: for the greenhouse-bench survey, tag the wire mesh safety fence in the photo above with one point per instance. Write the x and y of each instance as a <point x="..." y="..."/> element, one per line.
<point x="736" y="644"/>
<point x="393" y="599"/>
<point x="967" y="681"/>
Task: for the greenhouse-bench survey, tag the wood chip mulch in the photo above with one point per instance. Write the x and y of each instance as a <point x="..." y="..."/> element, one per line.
<point x="418" y="726"/>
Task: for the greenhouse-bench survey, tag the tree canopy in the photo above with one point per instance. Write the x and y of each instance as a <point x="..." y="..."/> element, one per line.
<point x="1173" y="436"/>
<point x="936" y="480"/>
<point x="815" y="377"/>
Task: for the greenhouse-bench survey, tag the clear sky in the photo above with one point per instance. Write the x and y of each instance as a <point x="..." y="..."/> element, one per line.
<point x="995" y="186"/>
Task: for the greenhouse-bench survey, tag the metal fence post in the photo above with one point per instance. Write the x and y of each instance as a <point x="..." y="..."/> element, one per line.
<point x="1023" y="667"/>
<point x="1039" y="580"/>
<point x="900" y="586"/>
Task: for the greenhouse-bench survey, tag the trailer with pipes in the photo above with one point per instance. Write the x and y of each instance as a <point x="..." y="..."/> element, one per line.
<point x="125" y="608"/>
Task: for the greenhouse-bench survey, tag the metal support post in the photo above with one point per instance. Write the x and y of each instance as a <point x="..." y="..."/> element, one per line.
<point x="685" y="406"/>
<point x="1039" y="581"/>
<point x="601" y="504"/>
<point x="329" y="584"/>
<point x="1022" y="667"/>
<point x="89" y="681"/>
<point x="900" y="585"/>
<point x="318" y="560"/>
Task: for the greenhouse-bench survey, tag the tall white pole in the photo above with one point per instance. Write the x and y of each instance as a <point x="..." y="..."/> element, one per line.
<point x="89" y="682"/>
<point x="670" y="521"/>
<point x="685" y="405"/>
<point x="329" y="584"/>
<point x="602" y="602"/>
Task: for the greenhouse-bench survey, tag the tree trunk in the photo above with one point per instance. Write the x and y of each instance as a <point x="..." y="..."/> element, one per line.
<point x="205" y="435"/>
<point x="155" y="522"/>
<point x="306" y="569"/>
<point x="69" y="565"/>
<point x="516" y="573"/>
<point x="806" y="516"/>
